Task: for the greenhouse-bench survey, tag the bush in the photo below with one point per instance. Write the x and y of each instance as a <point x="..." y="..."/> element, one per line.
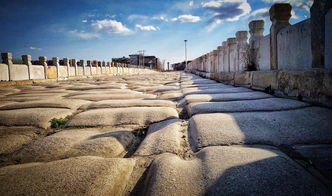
<point x="58" y="123"/>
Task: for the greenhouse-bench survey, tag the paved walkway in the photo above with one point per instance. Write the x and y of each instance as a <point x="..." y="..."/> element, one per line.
<point x="160" y="134"/>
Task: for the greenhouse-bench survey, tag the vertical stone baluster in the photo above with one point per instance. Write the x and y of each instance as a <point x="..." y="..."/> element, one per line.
<point x="43" y="61"/>
<point x="56" y="63"/>
<point x="27" y="60"/>
<point x="280" y="14"/>
<point x="66" y="63"/>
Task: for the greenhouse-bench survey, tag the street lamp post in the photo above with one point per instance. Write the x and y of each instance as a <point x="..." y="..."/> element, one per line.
<point x="185" y="51"/>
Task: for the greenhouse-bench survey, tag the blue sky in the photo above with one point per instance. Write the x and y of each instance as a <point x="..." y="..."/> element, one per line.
<point x="104" y="29"/>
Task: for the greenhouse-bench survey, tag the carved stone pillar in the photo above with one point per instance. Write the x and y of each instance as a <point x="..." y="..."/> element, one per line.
<point x="242" y="50"/>
<point x="27" y="60"/>
<point x="56" y="63"/>
<point x="43" y="61"/>
<point x="280" y="13"/>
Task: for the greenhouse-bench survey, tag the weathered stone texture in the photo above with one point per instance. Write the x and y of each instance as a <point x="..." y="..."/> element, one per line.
<point x="75" y="176"/>
<point x="224" y="170"/>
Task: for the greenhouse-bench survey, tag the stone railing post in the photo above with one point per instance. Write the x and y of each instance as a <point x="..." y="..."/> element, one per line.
<point x="280" y="14"/>
<point x="103" y="64"/>
<point x="27" y="60"/>
<point x="220" y="59"/>
<point x="318" y="19"/>
<point x="256" y="30"/>
<point x="82" y="63"/>
<point x="43" y="61"/>
<point x="74" y="63"/>
<point x="108" y="67"/>
<point x="88" y="64"/>
<point x="7" y="58"/>
<point x="231" y="43"/>
<point x="95" y="64"/>
<point x="66" y="63"/>
<point x="214" y="62"/>
<point x="56" y="63"/>
<point x="225" y="56"/>
<point x="242" y="49"/>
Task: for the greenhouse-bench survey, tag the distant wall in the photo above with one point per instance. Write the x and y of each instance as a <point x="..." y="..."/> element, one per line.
<point x="98" y="70"/>
<point x="37" y="72"/>
<point x="294" y="46"/>
<point x="264" y="53"/>
<point x="87" y="71"/>
<point x="94" y="70"/>
<point x="52" y="72"/>
<point x="19" y="72"/>
<point x="4" y="72"/>
<point x="71" y="71"/>
<point x="328" y="39"/>
<point x="80" y="71"/>
<point x="63" y="69"/>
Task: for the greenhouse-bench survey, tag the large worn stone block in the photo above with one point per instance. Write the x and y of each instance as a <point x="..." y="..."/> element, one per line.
<point x="140" y="116"/>
<point x="129" y="103"/>
<point x="162" y="137"/>
<point x="216" y="90"/>
<point x="75" y="176"/>
<point x="224" y="97"/>
<point x="231" y="170"/>
<point x="264" y="79"/>
<point x="13" y="138"/>
<point x="271" y="104"/>
<point x="100" y="97"/>
<point x="39" y="117"/>
<point x="48" y="103"/>
<point x="76" y="142"/>
<point x="301" y="126"/>
<point x="226" y="78"/>
<point x="311" y="85"/>
<point x="243" y="79"/>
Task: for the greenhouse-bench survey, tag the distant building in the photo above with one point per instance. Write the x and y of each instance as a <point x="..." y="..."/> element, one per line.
<point x="148" y="61"/>
<point x="138" y="59"/>
<point x="121" y="60"/>
<point x="180" y="66"/>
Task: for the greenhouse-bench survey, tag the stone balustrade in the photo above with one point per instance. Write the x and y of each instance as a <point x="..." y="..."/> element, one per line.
<point x="293" y="60"/>
<point x="61" y="69"/>
<point x="287" y="47"/>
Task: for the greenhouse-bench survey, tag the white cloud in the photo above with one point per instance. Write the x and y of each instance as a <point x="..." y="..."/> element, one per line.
<point x="147" y="28"/>
<point x="226" y="10"/>
<point x="83" y="34"/>
<point x="187" y="18"/>
<point x="294" y="16"/>
<point x="162" y="18"/>
<point x="297" y="4"/>
<point x="263" y="14"/>
<point x="34" y="48"/>
<point x="133" y="17"/>
<point x="84" y="21"/>
<point x="191" y="3"/>
<point x="111" y="26"/>
<point x="213" y="25"/>
<point x="260" y="14"/>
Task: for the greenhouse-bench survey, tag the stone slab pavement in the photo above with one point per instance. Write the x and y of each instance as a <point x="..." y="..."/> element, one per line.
<point x="170" y="133"/>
